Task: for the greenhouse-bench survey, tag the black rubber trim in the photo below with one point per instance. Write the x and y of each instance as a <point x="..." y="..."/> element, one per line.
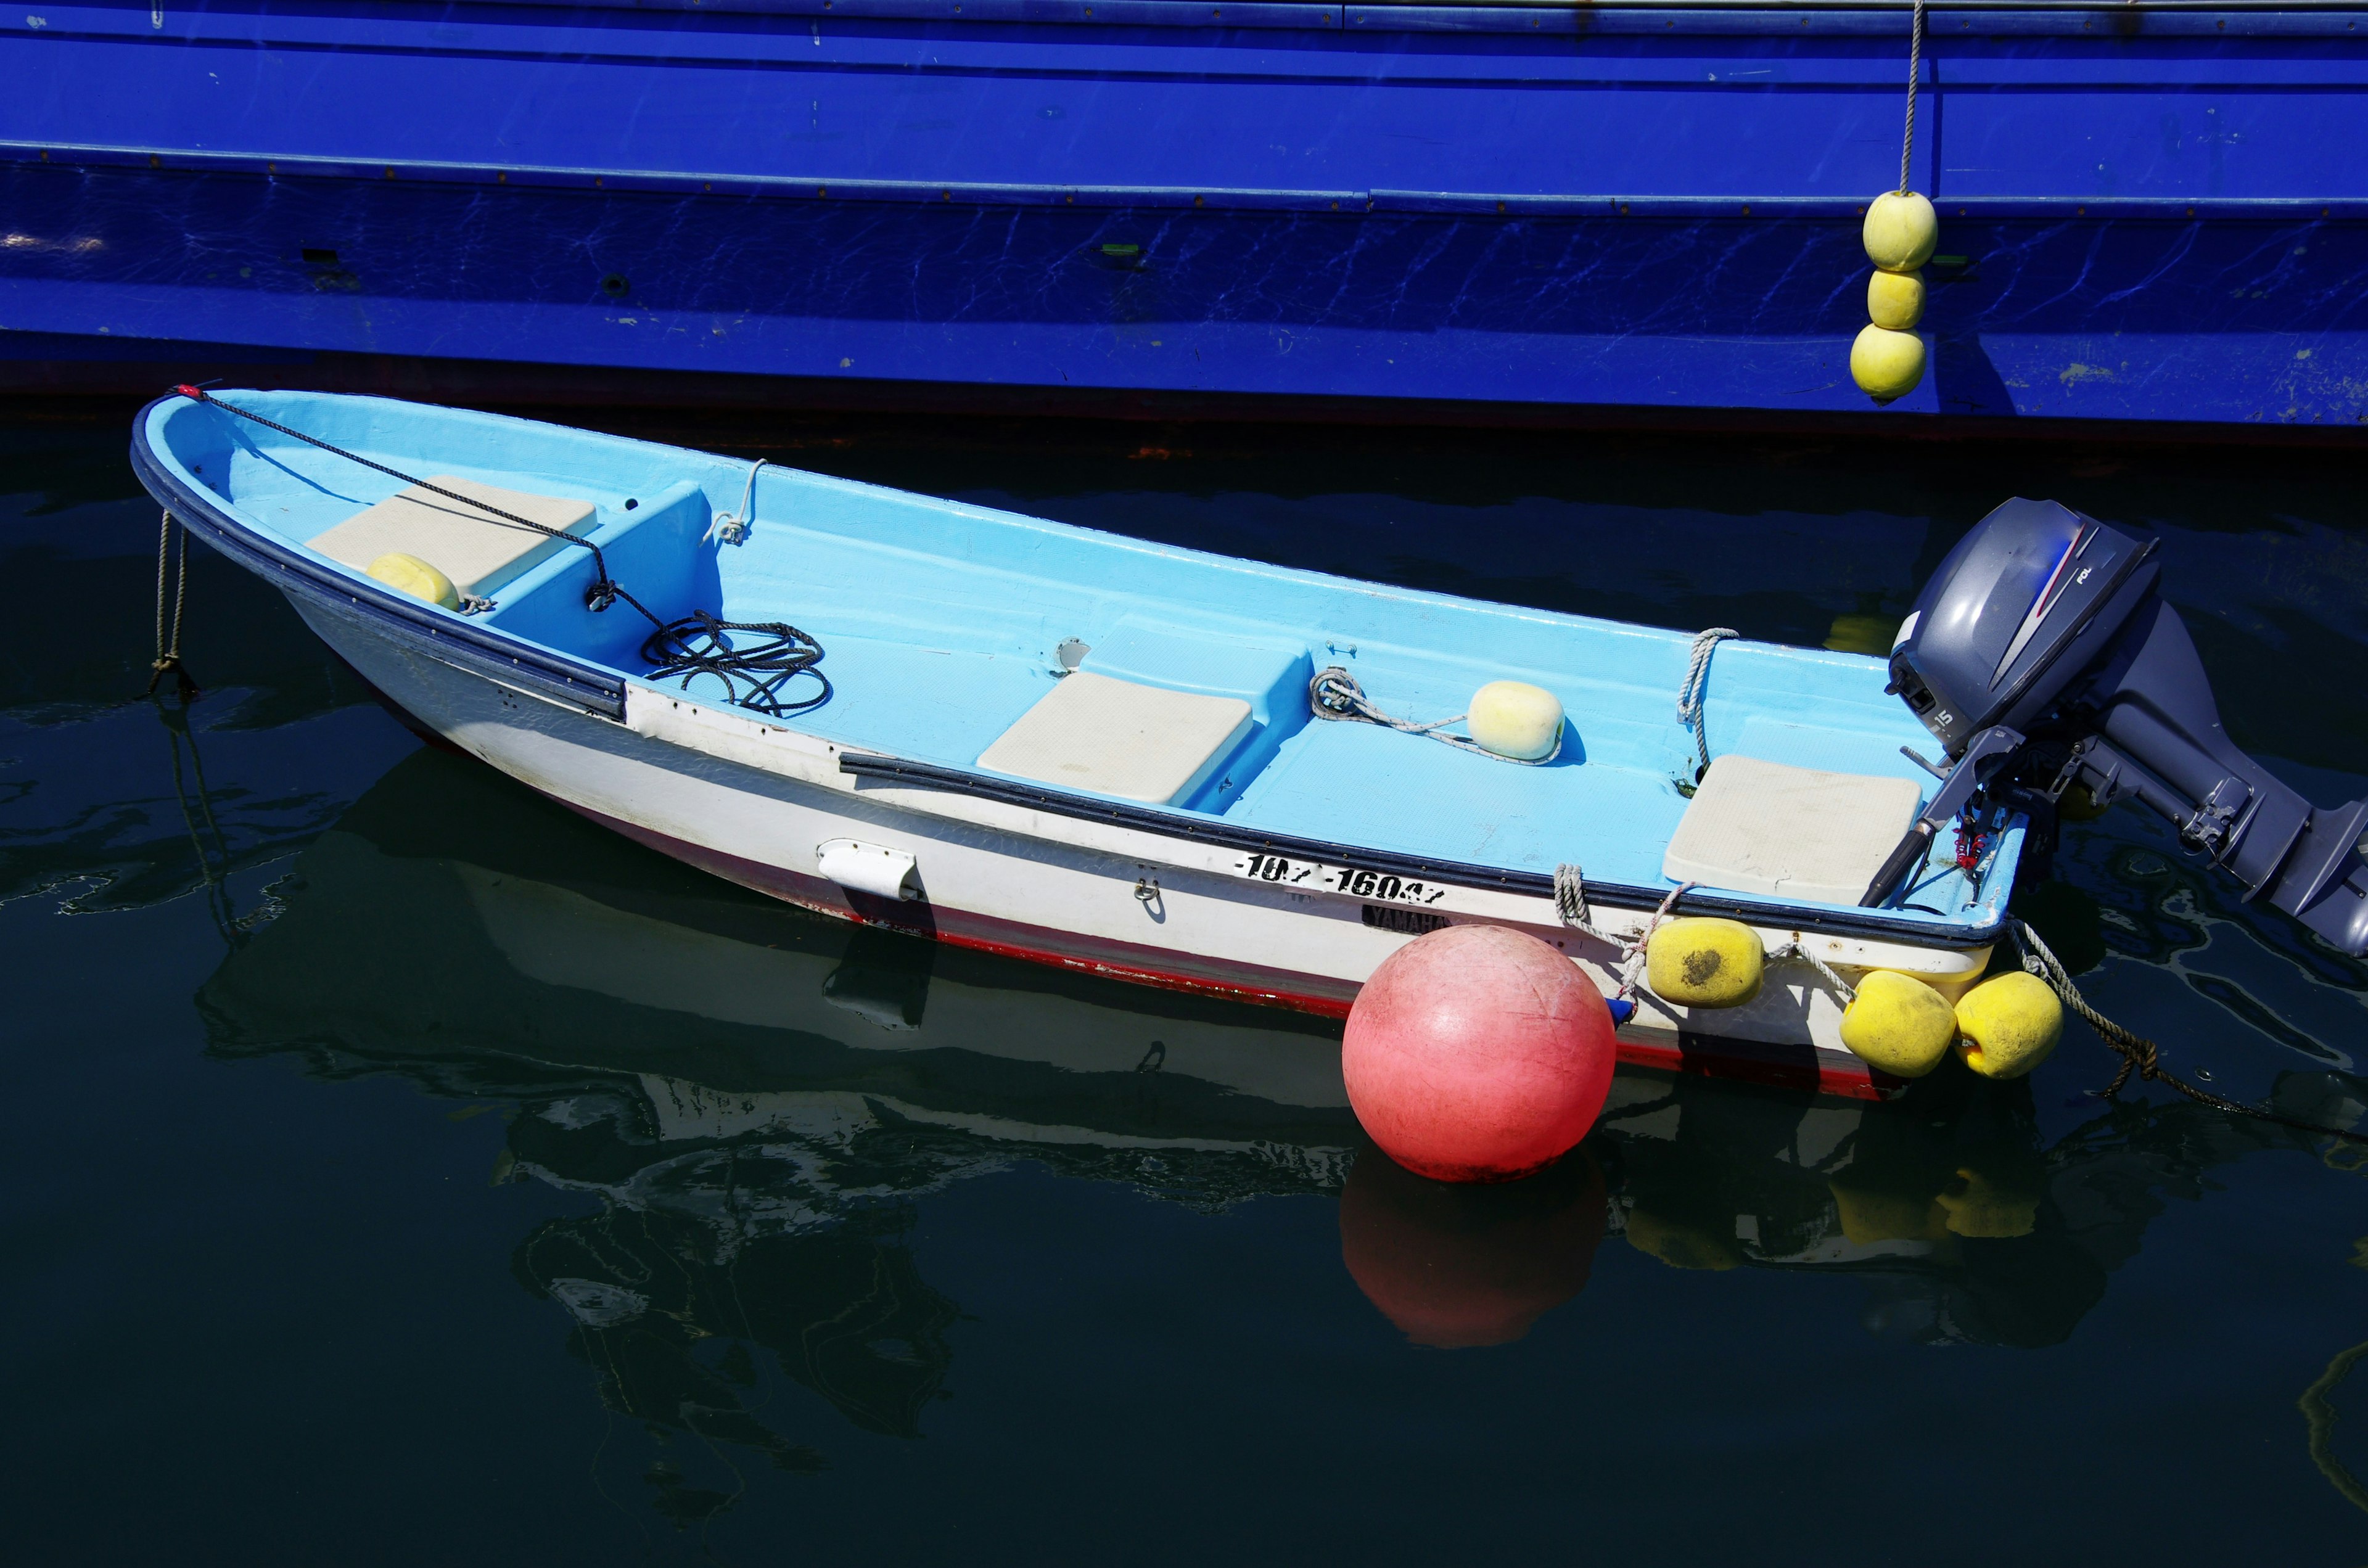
<point x="483" y="651"/>
<point x="1828" y="921"/>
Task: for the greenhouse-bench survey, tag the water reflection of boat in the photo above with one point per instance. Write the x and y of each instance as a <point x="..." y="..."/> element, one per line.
<point x="759" y="1096"/>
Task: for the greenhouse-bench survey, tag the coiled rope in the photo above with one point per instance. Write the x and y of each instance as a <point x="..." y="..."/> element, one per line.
<point x="2139" y="1055"/>
<point x="1689" y="695"/>
<point x="697" y="644"/>
<point x="1335" y="694"/>
<point x="1914" y="71"/>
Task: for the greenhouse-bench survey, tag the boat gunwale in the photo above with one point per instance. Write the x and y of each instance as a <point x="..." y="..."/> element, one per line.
<point x="509" y="659"/>
<point x="1817" y="919"/>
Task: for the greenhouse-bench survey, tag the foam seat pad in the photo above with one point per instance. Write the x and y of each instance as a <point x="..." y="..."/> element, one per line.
<point x="1796" y="833"/>
<point x="1139" y="743"/>
<point x="478" y="551"/>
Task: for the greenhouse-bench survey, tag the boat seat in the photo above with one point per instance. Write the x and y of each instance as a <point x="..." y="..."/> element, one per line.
<point x="479" y="553"/>
<point x="1765" y="827"/>
<point x="1115" y="737"/>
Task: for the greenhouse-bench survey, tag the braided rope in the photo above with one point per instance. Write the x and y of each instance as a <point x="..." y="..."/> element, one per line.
<point x="1914" y="71"/>
<point x="1689" y="695"/>
<point x="2139" y="1055"/>
<point x="1335" y="694"/>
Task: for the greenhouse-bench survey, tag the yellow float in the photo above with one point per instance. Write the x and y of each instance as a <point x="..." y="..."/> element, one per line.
<point x="1700" y="962"/>
<point x="1895" y="300"/>
<point x="1901" y="231"/>
<point x="1886" y="364"/>
<point x="1515" y="719"/>
<point x="408" y="573"/>
<point x="1898" y="1024"/>
<point x="2010" y="1023"/>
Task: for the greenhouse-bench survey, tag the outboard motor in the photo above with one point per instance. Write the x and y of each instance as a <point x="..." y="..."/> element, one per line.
<point x="2043" y="657"/>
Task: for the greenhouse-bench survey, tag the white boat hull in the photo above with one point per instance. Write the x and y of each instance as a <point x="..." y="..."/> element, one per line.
<point x="755" y="801"/>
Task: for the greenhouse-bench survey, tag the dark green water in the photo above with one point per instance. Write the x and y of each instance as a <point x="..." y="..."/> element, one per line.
<point x="400" y="1170"/>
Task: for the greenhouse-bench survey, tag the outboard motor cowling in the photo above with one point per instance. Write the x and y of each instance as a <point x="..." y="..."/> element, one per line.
<point x="2043" y="657"/>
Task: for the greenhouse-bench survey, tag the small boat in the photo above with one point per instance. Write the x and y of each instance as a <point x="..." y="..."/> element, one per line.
<point x="1091" y="751"/>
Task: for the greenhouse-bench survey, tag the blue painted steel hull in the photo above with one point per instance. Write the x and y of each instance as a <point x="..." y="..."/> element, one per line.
<point x="2148" y="216"/>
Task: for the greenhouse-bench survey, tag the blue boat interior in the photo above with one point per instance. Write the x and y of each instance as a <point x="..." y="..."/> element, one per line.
<point x="943" y="623"/>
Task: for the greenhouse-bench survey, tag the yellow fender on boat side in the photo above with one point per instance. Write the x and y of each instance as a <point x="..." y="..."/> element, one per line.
<point x="2011" y="1023"/>
<point x="416" y="577"/>
<point x="1900" y="230"/>
<point x="1899" y="1024"/>
<point x="1895" y="301"/>
<point x="1695" y="961"/>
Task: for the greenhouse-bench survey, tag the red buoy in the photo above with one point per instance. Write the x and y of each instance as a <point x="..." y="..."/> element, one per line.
<point x="1477" y="1053"/>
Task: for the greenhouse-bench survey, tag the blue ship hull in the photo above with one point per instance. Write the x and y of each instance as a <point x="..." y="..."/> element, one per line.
<point x="1547" y="215"/>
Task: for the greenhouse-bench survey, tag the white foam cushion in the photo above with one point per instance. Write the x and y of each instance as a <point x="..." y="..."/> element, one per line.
<point x="479" y="553"/>
<point x="1139" y="743"/>
<point x="1795" y="832"/>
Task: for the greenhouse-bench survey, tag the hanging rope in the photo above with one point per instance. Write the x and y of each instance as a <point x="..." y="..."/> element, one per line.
<point x="2139" y="1055"/>
<point x="1914" y="71"/>
<point x="1335" y="694"/>
<point x="697" y="644"/>
<point x="1690" y="695"/>
<point x="169" y="645"/>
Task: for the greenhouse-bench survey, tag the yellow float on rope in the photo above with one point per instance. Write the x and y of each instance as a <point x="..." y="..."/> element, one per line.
<point x="416" y="577"/>
<point x="2010" y="1022"/>
<point x="1898" y="1024"/>
<point x="1699" y="962"/>
<point x="1895" y="300"/>
<point x="1886" y="364"/>
<point x="1900" y="230"/>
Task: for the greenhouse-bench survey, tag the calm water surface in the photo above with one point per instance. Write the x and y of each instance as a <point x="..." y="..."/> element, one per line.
<point x="400" y="1170"/>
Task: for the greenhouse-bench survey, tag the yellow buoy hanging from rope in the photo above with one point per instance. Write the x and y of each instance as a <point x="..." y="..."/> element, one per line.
<point x="1895" y="300"/>
<point x="1886" y="365"/>
<point x="1898" y="1024"/>
<point x="1699" y="962"/>
<point x="2011" y="1023"/>
<point x="408" y="573"/>
<point x="1901" y="230"/>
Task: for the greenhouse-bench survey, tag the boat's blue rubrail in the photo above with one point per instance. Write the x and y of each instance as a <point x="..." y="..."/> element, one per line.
<point x="693" y="645"/>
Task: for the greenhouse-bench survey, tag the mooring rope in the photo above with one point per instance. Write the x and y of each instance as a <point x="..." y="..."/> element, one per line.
<point x="1335" y="694"/>
<point x="2139" y="1055"/>
<point x="168" y="647"/>
<point x="1689" y="695"/>
<point x="1915" y="70"/>
<point x="697" y="644"/>
<point x="1571" y="908"/>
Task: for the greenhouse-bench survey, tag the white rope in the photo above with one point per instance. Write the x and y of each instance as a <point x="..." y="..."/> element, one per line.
<point x="1335" y="694"/>
<point x="1841" y="987"/>
<point x="1690" y="695"/>
<point x="1571" y="909"/>
<point x="732" y="526"/>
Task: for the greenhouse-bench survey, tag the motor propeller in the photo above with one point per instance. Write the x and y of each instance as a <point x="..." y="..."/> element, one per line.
<point x="2044" y="658"/>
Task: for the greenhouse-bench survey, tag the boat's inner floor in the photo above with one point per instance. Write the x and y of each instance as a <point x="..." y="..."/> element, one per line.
<point x="944" y="626"/>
